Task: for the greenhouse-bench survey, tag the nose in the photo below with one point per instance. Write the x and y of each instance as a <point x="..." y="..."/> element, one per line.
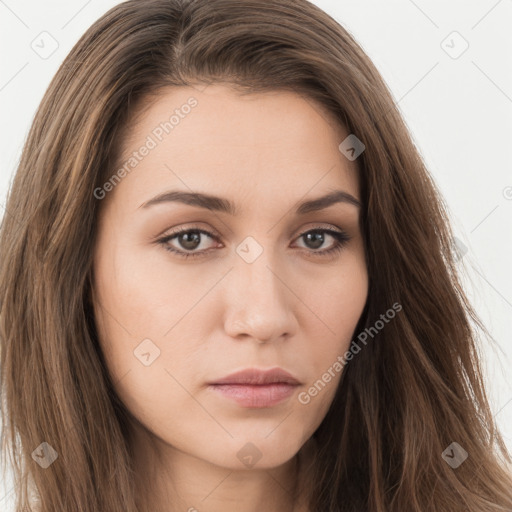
<point x="259" y="303"/>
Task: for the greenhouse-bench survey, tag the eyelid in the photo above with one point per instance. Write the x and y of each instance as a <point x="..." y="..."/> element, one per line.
<point x="214" y="234"/>
<point x="193" y="226"/>
<point x="341" y="239"/>
<point x="322" y="227"/>
<point x="211" y="233"/>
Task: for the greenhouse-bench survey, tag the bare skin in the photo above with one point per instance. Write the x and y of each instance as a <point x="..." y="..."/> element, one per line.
<point x="211" y="315"/>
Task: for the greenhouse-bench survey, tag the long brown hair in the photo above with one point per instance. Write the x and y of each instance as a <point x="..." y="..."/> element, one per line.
<point x="414" y="390"/>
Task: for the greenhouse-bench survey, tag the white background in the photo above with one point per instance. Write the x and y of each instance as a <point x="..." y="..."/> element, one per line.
<point x="459" y="111"/>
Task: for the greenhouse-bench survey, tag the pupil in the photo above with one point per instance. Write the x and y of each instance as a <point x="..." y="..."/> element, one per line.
<point x="189" y="240"/>
<point x="318" y="239"/>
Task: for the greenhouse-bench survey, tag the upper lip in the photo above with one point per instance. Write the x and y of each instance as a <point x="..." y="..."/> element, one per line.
<point x="254" y="376"/>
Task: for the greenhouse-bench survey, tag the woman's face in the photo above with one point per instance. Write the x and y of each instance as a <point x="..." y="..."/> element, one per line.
<point x="259" y="289"/>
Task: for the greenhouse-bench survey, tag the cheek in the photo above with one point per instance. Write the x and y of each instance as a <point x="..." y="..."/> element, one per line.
<point x="150" y="320"/>
<point x="143" y="292"/>
<point x="340" y="301"/>
<point x="336" y="299"/>
<point x="335" y="309"/>
<point x="137" y="303"/>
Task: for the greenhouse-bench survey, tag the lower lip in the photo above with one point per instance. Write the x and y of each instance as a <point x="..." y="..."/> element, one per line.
<point x="255" y="395"/>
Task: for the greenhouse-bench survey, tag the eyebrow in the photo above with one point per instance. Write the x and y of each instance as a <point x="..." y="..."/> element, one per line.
<point x="220" y="204"/>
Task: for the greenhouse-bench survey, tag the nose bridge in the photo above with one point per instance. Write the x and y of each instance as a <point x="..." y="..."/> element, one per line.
<point x="257" y="275"/>
<point x="258" y="301"/>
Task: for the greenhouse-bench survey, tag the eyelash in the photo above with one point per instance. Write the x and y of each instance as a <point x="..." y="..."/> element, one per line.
<point x="341" y="239"/>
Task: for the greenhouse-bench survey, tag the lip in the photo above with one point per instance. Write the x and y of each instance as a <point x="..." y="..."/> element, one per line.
<point x="255" y="388"/>
<point x="258" y="377"/>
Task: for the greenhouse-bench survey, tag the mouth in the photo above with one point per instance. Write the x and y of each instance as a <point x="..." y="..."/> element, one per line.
<point x="254" y="388"/>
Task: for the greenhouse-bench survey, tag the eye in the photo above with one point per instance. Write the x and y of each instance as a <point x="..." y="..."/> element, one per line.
<point x="315" y="238"/>
<point x="191" y="238"/>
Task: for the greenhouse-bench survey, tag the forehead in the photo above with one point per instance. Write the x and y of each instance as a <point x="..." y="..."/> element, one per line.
<point x="274" y="145"/>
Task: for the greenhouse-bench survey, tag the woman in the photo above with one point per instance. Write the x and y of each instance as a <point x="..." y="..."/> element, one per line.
<point x="228" y="281"/>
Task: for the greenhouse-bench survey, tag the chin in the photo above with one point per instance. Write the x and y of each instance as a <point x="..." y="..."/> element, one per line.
<point x="254" y="451"/>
